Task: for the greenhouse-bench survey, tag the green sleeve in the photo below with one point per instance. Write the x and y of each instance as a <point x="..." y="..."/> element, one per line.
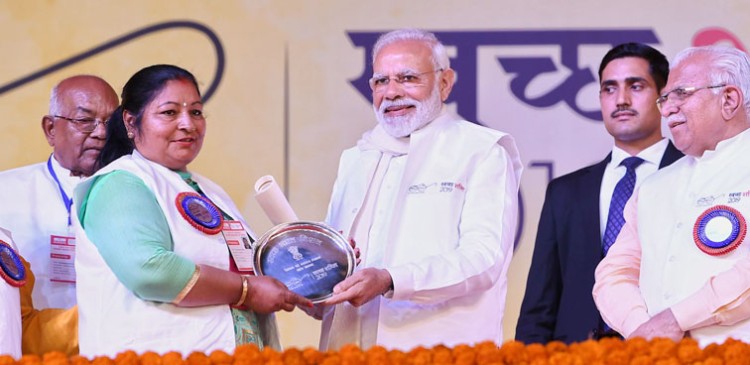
<point x="123" y="219"/>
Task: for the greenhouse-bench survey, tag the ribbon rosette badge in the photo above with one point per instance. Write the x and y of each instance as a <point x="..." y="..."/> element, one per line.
<point x="11" y="267"/>
<point x="199" y="212"/>
<point x="719" y="230"/>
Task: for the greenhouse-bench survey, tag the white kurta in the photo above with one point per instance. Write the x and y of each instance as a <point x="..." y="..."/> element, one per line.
<point x="33" y="210"/>
<point x="10" y="312"/>
<point x="669" y="204"/>
<point x="112" y="319"/>
<point x="448" y="240"/>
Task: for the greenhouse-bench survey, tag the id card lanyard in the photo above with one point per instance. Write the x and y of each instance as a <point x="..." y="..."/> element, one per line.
<point x="65" y="198"/>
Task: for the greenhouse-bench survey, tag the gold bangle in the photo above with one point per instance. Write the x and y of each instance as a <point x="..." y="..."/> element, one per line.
<point x="243" y="296"/>
<point x="189" y="286"/>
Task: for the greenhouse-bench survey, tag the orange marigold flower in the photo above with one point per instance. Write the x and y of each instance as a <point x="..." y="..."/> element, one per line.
<point x="30" y="360"/>
<point x="270" y="355"/>
<point x="713" y="350"/>
<point x="313" y="356"/>
<point x="332" y="359"/>
<point x="513" y="352"/>
<point x="293" y="357"/>
<point x="642" y="360"/>
<point x="663" y="348"/>
<point x="219" y="357"/>
<point x="377" y="355"/>
<point x="397" y="357"/>
<point x="172" y="358"/>
<point x="611" y="344"/>
<point x="735" y="352"/>
<point x="419" y="356"/>
<point x="486" y="346"/>
<point x="79" y="360"/>
<point x="488" y="353"/>
<point x="668" y="361"/>
<point x="713" y="361"/>
<point x="7" y="360"/>
<point x="536" y="351"/>
<point x="688" y="351"/>
<point x="126" y="358"/>
<point x="102" y="360"/>
<point x="247" y="355"/>
<point x="617" y="357"/>
<point x="637" y="345"/>
<point x="197" y="358"/>
<point x="442" y="355"/>
<point x="564" y="358"/>
<point x="555" y="346"/>
<point x="150" y="358"/>
<point x="589" y="351"/>
<point x="55" y="358"/>
<point x="352" y="355"/>
<point x="465" y="354"/>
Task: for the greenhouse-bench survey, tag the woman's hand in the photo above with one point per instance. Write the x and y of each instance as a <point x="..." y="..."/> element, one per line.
<point x="267" y="295"/>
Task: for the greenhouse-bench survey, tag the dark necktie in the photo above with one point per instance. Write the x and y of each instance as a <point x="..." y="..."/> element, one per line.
<point x="623" y="191"/>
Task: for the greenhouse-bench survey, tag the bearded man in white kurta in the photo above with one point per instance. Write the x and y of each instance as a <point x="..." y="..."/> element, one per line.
<point x="681" y="263"/>
<point x="431" y="202"/>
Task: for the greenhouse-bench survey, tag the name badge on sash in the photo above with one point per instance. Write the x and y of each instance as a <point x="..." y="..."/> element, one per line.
<point x="62" y="256"/>
<point x="240" y="246"/>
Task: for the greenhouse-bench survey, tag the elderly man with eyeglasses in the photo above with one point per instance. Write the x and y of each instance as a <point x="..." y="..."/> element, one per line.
<point x="431" y="201"/>
<point x="681" y="264"/>
<point x="36" y="207"/>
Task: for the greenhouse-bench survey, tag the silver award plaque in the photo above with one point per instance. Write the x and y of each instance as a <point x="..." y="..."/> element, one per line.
<point x="309" y="258"/>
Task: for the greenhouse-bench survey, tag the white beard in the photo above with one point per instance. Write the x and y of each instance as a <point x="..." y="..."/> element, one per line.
<point x="405" y="125"/>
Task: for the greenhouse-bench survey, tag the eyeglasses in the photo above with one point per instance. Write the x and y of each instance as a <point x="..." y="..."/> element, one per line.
<point x="86" y="124"/>
<point x="406" y="79"/>
<point x="679" y="95"/>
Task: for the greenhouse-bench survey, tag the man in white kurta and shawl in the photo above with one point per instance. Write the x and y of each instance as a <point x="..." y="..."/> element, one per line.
<point x="431" y="201"/>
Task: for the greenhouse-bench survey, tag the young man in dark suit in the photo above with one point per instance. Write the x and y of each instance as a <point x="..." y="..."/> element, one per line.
<point x="558" y="305"/>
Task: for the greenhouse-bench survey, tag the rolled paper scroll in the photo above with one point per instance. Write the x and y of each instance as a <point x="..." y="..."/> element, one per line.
<point x="273" y="202"/>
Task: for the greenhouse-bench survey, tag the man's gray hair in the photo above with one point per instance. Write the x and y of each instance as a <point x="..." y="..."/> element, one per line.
<point x="54" y="101"/>
<point x="727" y="65"/>
<point x="439" y="54"/>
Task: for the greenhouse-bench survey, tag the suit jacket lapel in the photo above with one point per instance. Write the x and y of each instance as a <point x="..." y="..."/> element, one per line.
<point x="591" y="183"/>
<point x="671" y="154"/>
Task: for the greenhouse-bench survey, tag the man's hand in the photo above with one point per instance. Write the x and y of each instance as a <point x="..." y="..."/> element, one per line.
<point x="361" y="287"/>
<point x="663" y="324"/>
<point x="266" y="295"/>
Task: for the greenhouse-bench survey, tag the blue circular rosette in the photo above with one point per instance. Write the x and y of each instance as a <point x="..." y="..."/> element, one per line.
<point x="200" y="212"/>
<point x="722" y="240"/>
<point x="11" y="266"/>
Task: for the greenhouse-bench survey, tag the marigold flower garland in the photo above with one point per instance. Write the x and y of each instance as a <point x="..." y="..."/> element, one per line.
<point x="606" y="351"/>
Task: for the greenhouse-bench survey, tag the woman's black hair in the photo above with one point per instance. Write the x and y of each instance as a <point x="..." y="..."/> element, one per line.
<point x="137" y="93"/>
